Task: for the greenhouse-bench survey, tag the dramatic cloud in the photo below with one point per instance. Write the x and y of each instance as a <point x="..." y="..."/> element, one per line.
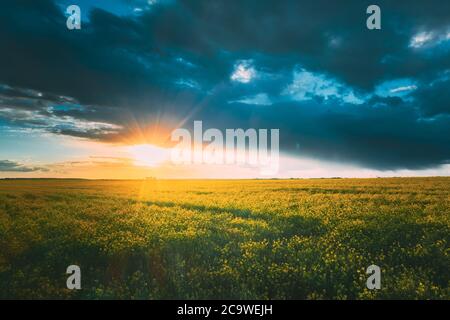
<point x="434" y="97"/>
<point x="335" y="89"/>
<point x="11" y="166"/>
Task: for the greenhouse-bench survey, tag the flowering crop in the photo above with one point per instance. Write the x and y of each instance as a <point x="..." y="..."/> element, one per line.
<point x="244" y="239"/>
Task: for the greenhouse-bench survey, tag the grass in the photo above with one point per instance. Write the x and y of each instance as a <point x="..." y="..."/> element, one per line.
<point x="245" y="239"/>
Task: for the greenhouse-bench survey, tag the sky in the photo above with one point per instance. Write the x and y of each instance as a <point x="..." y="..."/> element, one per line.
<point x="102" y="101"/>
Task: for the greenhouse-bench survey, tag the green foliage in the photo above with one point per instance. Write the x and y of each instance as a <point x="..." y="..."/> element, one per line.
<point x="260" y="239"/>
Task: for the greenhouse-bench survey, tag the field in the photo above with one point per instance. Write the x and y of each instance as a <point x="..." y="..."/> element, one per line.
<point x="224" y="239"/>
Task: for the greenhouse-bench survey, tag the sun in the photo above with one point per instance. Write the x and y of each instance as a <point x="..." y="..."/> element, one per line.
<point x="148" y="155"/>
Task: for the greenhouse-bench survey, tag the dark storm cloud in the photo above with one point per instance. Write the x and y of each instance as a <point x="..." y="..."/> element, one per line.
<point x="322" y="35"/>
<point x="388" y="136"/>
<point x="172" y="61"/>
<point x="434" y="98"/>
<point x="11" y="166"/>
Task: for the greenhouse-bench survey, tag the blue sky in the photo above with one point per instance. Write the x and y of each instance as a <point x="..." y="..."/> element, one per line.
<point x="374" y="101"/>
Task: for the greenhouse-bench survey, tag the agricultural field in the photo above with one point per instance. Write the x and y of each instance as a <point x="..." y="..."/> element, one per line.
<point x="225" y="239"/>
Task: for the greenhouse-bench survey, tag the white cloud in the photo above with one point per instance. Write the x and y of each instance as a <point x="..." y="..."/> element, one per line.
<point x="34" y="119"/>
<point x="189" y="83"/>
<point x="403" y="89"/>
<point x="396" y="88"/>
<point x="243" y="72"/>
<point x="421" y="39"/>
<point x="429" y="39"/>
<point x="260" y="99"/>
<point x="306" y="85"/>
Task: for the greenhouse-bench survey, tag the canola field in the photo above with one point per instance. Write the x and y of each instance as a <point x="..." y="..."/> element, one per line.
<point x="225" y="239"/>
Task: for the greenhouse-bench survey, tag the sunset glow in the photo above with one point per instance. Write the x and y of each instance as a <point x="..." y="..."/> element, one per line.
<point x="106" y="108"/>
<point x="148" y="155"/>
